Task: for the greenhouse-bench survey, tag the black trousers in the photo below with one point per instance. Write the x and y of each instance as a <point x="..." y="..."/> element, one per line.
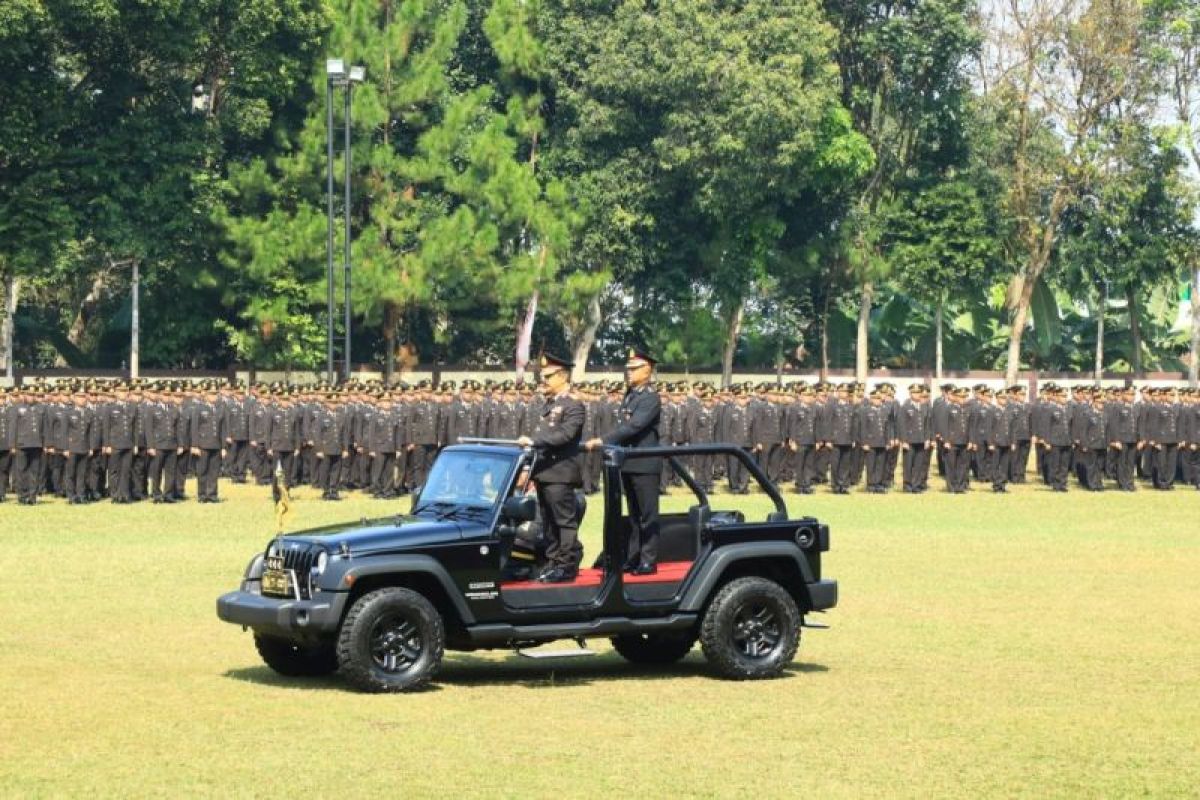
<point x="560" y="521"/>
<point x="138" y="470"/>
<point x="915" y="467"/>
<point x="876" y="462"/>
<point x="1122" y="462"/>
<point x="1163" y="465"/>
<point x="1189" y="460"/>
<point x="958" y="466"/>
<point x="641" y="494"/>
<point x="999" y="465"/>
<point x="74" y="475"/>
<point x="328" y="470"/>
<point x="236" y="458"/>
<point x="97" y="471"/>
<point x="738" y="475"/>
<point x="6" y="462"/>
<point x="27" y="472"/>
<point x="1058" y="466"/>
<point x="822" y="461"/>
<point x="805" y="465"/>
<point x="383" y="473"/>
<point x="1092" y="461"/>
<point x="420" y="459"/>
<point x="120" y="474"/>
<point x="889" y="467"/>
<point x="162" y="472"/>
<point x="1019" y="462"/>
<point x="842" y="467"/>
<point x="208" y="470"/>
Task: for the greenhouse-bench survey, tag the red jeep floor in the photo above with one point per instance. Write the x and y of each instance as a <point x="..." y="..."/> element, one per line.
<point x="668" y="572"/>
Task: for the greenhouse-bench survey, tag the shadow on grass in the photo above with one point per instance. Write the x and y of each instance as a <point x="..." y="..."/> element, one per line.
<point x="464" y="669"/>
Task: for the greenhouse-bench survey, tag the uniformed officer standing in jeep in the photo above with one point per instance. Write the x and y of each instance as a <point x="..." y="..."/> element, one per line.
<point x="557" y="472"/>
<point x="637" y="426"/>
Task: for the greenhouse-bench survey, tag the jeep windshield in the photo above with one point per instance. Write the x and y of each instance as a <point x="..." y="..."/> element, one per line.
<point x="465" y="479"/>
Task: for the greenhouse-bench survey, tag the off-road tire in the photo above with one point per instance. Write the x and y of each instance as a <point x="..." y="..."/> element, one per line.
<point x="729" y="629"/>
<point x="392" y="640"/>
<point x="296" y="660"/>
<point x="653" y="648"/>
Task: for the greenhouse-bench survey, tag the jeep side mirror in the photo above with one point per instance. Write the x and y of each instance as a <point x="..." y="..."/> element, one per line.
<point x="520" y="508"/>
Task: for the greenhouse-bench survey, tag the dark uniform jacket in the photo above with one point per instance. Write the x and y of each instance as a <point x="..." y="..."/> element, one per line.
<point x="78" y="438"/>
<point x="802" y="422"/>
<point x="8" y="428"/>
<point x="1120" y="422"/>
<point x="914" y="423"/>
<point x="118" y="422"/>
<point x="284" y="430"/>
<point x="331" y="435"/>
<point x="873" y="425"/>
<point x="164" y="427"/>
<point x="557" y="440"/>
<point x="207" y="427"/>
<point x="637" y="426"/>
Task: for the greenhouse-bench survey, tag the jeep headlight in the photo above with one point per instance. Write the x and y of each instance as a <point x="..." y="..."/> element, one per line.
<point x="321" y="563"/>
<point x="273" y="549"/>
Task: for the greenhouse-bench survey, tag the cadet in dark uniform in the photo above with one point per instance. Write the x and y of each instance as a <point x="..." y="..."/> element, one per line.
<point x="208" y="432"/>
<point x="874" y="437"/>
<point x="422" y="437"/>
<point x="1094" y="443"/>
<point x="843" y="435"/>
<point x="164" y="448"/>
<point x="802" y="437"/>
<point x="557" y="472"/>
<point x="915" y="432"/>
<point x="1057" y="441"/>
<point x="8" y="440"/>
<point x="76" y="449"/>
<point x="118" y="439"/>
<point x="738" y="431"/>
<point x="955" y="436"/>
<point x="637" y="426"/>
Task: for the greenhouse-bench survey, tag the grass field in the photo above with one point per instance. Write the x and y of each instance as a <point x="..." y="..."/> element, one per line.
<point x="1033" y="644"/>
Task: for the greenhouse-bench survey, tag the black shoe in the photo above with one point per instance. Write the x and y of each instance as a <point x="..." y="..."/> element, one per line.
<point x="557" y="575"/>
<point x="644" y="569"/>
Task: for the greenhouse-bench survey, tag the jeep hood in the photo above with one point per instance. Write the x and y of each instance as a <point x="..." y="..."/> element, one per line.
<point x="386" y="533"/>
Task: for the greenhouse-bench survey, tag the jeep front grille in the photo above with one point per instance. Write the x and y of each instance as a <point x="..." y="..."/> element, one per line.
<point x="300" y="559"/>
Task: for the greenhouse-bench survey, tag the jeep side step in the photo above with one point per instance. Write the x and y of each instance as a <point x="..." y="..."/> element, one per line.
<point x="501" y="635"/>
<point x="580" y="651"/>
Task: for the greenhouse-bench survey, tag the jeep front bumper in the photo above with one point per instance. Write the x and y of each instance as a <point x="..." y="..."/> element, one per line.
<point x="822" y="595"/>
<point x="290" y="619"/>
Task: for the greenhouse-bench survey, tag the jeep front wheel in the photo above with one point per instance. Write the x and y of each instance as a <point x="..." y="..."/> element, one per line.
<point x="751" y="629"/>
<point x="295" y="660"/>
<point x="392" y="640"/>
<point x="653" y="648"/>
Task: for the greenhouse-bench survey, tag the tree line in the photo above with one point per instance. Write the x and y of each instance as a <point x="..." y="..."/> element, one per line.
<point x="787" y="184"/>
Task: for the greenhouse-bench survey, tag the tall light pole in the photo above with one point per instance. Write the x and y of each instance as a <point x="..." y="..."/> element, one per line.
<point x="337" y="75"/>
<point x="335" y="71"/>
<point x="135" y="322"/>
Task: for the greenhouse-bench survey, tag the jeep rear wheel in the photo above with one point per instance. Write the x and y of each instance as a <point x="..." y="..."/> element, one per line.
<point x="751" y="629"/>
<point x="392" y="640"/>
<point x="296" y="660"/>
<point x="653" y="648"/>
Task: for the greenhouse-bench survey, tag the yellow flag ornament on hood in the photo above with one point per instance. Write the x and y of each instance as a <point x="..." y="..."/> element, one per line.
<point x="283" y="500"/>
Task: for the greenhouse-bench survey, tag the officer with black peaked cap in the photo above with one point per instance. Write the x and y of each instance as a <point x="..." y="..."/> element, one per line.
<point x="557" y="472"/>
<point x="637" y="426"/>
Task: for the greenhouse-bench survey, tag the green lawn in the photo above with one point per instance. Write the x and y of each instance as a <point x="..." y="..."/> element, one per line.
<point x="1032" y="644"/>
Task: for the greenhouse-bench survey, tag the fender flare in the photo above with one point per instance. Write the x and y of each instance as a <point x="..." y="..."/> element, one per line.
<point x="400" y="564"/>
<point x="722" y="557"/>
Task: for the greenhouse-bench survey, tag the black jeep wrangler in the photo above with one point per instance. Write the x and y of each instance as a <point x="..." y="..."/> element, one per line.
<point x="382" y="600"/>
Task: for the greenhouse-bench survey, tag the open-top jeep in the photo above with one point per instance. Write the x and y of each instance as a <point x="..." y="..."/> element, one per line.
<point x="382" y="599"/>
